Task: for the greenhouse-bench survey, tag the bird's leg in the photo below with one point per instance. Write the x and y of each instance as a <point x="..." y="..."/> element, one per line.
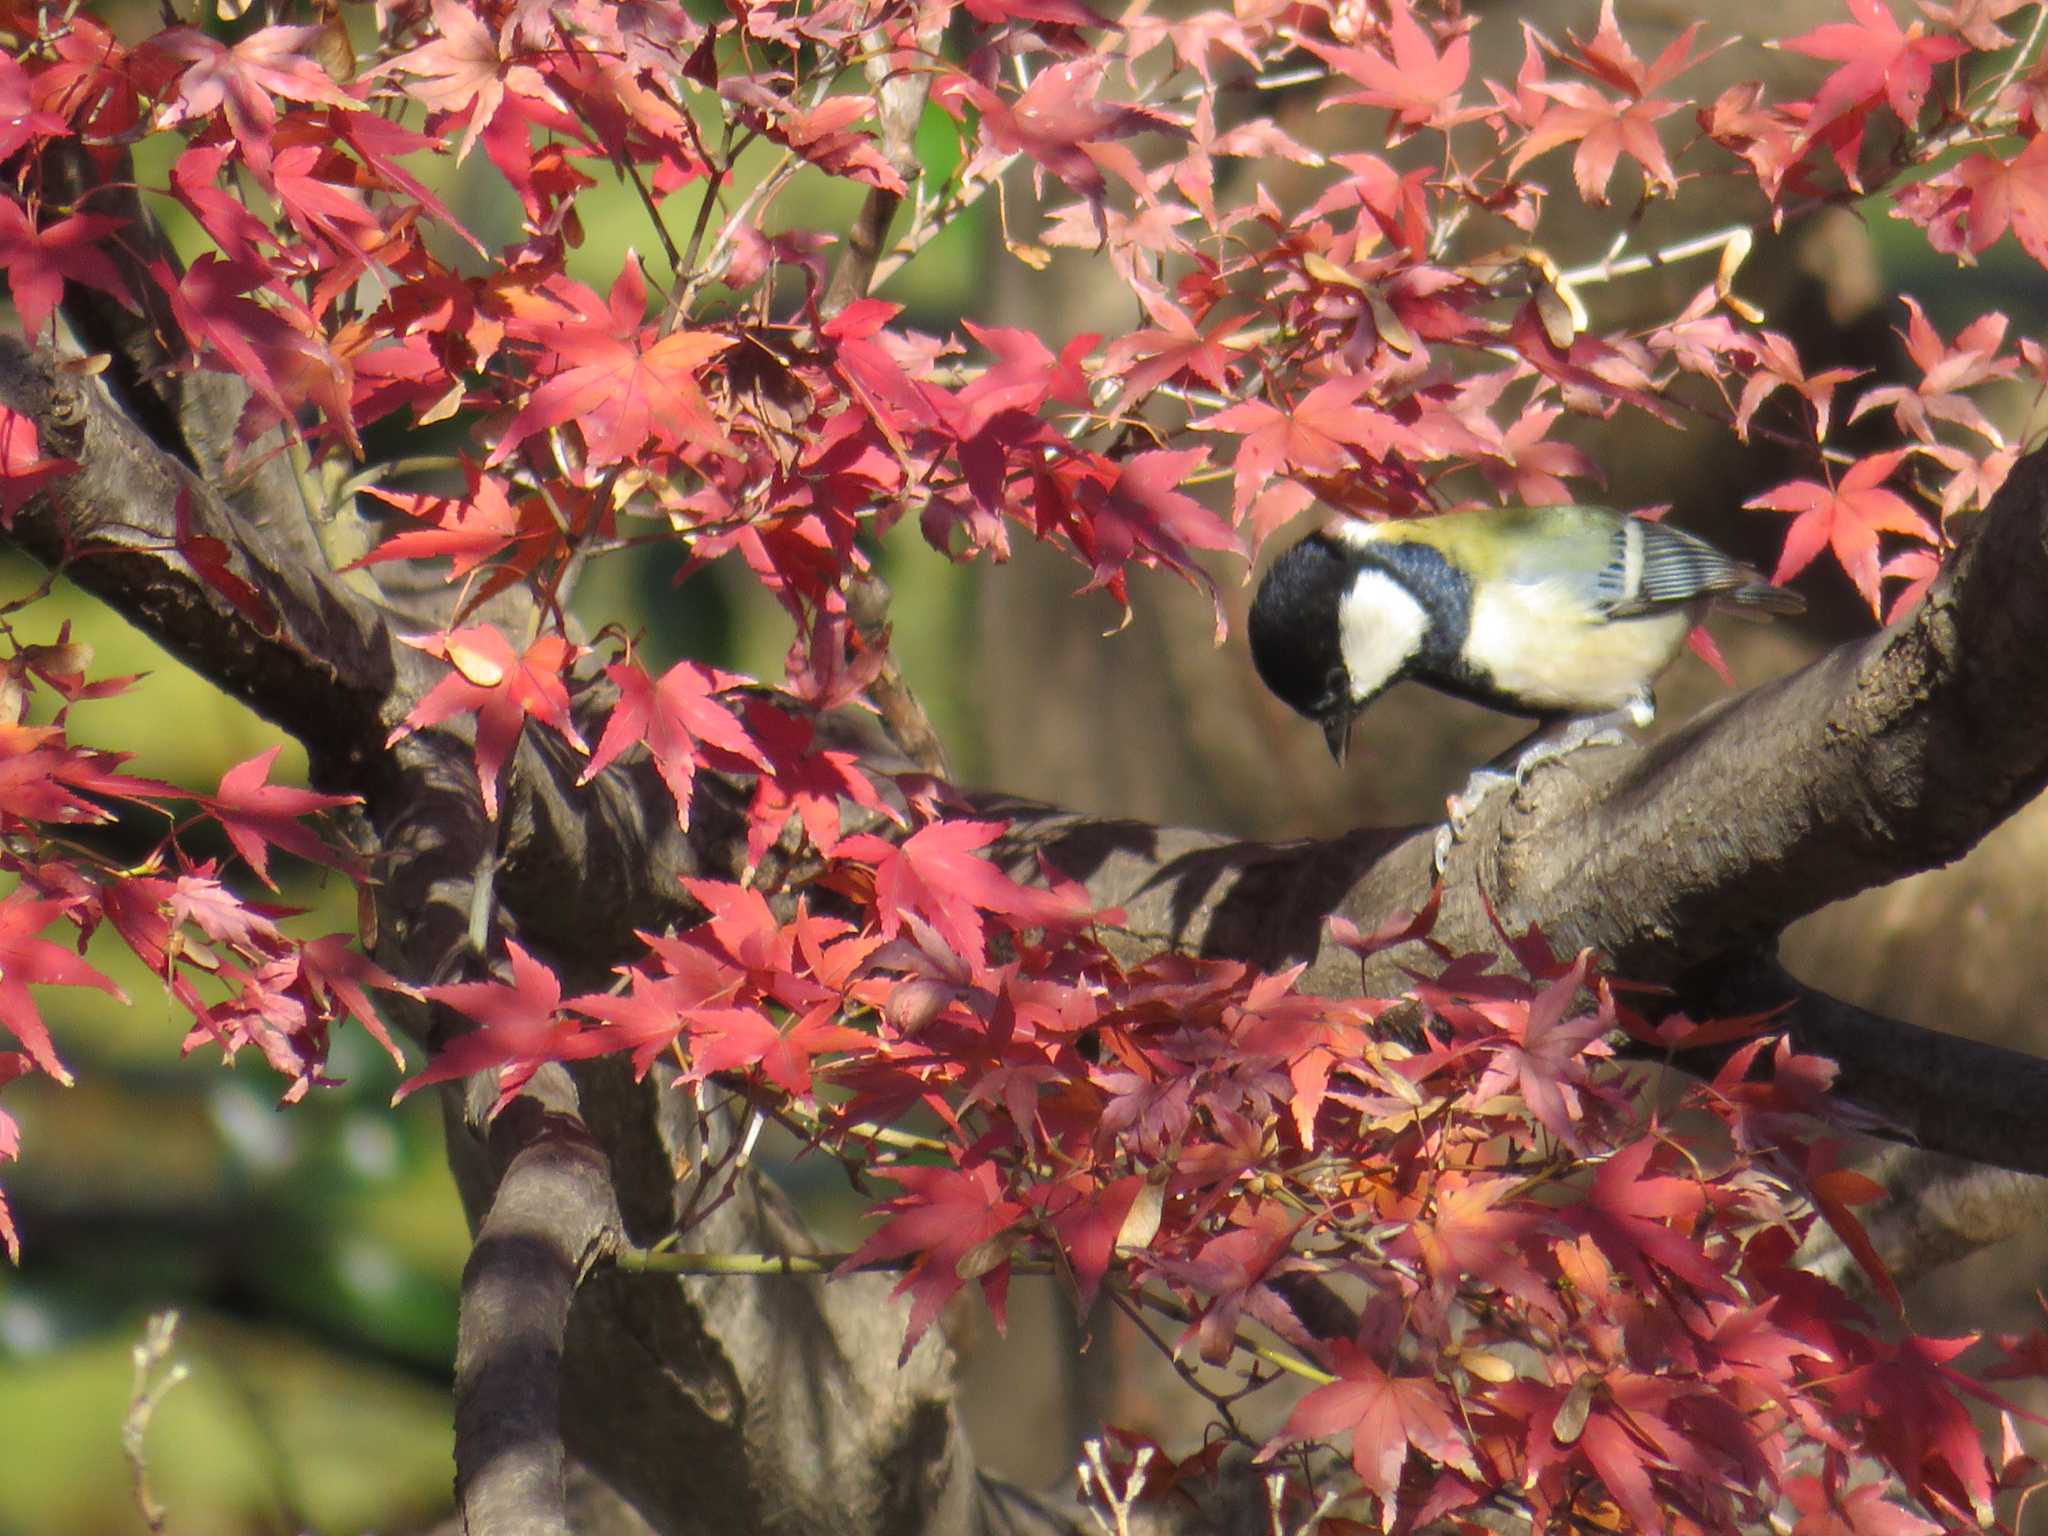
<point x="1548" y="743"/>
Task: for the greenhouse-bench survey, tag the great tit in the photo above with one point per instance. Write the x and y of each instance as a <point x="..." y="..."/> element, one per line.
<point x="1556" y="613"/>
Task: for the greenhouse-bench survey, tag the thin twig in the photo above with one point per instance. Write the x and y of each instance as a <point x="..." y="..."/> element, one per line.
<point x="646" y="1261"/>
<point x="867" y="604"/>
<point x="153" y="1379"/>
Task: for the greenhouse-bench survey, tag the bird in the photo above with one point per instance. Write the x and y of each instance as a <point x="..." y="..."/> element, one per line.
<point x="1563" y="614"/>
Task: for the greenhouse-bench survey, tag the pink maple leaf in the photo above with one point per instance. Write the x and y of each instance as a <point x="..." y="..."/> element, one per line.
<point x="257" y="815"/>
<point x="621" y="391"/>
<point x="937" y="872"/>
<point x="1383" y="1416"/>
<point x="26" y="958"/>
<point x="1847" y="517"/>
<point x="949" y="1218"/>
<point x="39" y="261"/>
<point x="519" y="1027"/>
<point x="501" y="688"/>
<point x="242" y="79"/>
<point x="1417" y="83"/>
<point x="1879" y="61"/>
<point x="675" y="718"/>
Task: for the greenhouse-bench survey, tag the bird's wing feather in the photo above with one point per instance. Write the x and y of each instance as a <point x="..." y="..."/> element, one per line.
<point x="1654" y="566"/>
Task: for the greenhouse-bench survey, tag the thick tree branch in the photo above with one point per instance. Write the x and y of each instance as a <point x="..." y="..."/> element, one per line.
<point x="1935" y="1210"/>
<point x="552" y="1217"/>
<point x="1966" y="1098"/>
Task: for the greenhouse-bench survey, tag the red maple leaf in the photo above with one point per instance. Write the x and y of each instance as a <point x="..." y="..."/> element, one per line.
<point x="332" y="970"/>
<point x="1328" y="432"/>
<point x="1847" y="516"/>
<point x="938" y="874"/>
<point x="1058" y="13"/>
<point x="12" y="1065"/>
<point x="26" y="958"/>
<point x="1233" y="1274"/>
<point x="1968" y="206"/>
<point x="1946" y="371"/>
<point x="480" y="525"/>
<point x="23" y="469"/>
<point x="1024" y="376"/>
<point x="257" y="814"/>
<point x="949" y="1218"/>
<point x="19" y="119"/>
<point x="1640" y="1219"/>
<point x="825" y="136"/>
<point x="520" y="1027"/>
<point x="1543" y="1053"/>
<point x="1907" y="1400"/>
<point x="1974" y="480"/>
<point x="672" y="718"/>
<point x="378" y="142"/>
<point x="621" y="391"/>
<point x="38" y="261"/>
<point x="201" y="900"/>
<point x="1137" y="513"/>
<point x="196" y="179"/>
<point x="1608" y="57"/>
<point x="277" y="352"/>
<point x="726" y="1039"/>
<point x="1466" y="1233"/>
<point x="1383" y="1416"/>
<point x="1917" y="568"/>
<point x="1605" y="128"/>
<point x="1529" y="466"/>
<point x="1827" y="1509"/>
<point x="1091" y="1223"/>
<point x="1777" y="366"/>
<point x="1060" y="124"/>
<point x="465" y="67"/>
<point x="242" y="79"/>
<point x="1148" y="358"/>
<point x="1418" y="84"/>
<point x="1879" y="62"/>
<point x="321" y="210"/>
<point x="502" y="688"/>
<point x="808" y="782"/>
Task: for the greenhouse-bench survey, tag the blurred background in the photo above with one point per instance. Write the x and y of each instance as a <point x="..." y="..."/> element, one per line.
<point x="314" y="1252"/>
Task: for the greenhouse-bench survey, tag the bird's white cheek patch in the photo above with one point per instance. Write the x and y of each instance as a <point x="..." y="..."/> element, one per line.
<point x="1381" y="628"/>
<point x="1538" y="644"/>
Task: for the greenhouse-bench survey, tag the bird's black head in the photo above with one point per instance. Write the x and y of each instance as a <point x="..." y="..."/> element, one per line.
<point x="1296" y="637"/>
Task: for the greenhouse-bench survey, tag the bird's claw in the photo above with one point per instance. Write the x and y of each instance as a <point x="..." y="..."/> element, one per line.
<point x="1548" y="745"/>
<point x="1459" y="809"/>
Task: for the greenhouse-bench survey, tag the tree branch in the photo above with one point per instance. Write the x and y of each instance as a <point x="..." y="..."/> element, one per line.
<point x="1963" y="1097"/>
<point x="551" y="1218"/>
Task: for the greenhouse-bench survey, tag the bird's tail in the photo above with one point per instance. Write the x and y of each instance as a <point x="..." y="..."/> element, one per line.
<point x="1758" y="599"/>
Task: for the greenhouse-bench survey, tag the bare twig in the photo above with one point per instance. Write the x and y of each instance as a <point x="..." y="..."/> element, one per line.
<point x="867" y="603"/>
<point x="154" y="1378"/>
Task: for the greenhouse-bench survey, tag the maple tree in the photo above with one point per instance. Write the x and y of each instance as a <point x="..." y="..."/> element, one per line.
<point x="1349" y="1128"/>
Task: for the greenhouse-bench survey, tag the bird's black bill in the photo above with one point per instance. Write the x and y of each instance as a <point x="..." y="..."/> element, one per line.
<point x="1337" y="732"/>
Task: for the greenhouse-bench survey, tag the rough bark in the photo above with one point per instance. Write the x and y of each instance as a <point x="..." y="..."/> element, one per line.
<point x="739" y="1406"/>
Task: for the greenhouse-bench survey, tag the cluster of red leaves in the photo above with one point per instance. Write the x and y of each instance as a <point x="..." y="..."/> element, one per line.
<point x="222" y="957"/>
<point x="1566" y="1302"/>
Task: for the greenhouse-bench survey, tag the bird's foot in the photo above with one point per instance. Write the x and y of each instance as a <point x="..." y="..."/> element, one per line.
<point x="1460" y="808"/>
<point x="1574" y="736"/>
<point x="1548" y="744"/>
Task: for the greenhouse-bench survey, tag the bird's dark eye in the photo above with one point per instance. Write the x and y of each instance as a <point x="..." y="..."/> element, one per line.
<point x="1336" y="688"/>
